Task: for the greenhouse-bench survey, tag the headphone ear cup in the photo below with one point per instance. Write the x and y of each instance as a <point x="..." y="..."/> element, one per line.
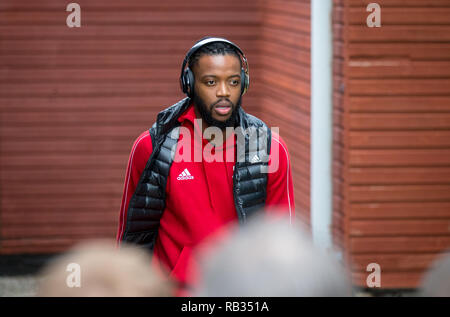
<point x="244" y="81"/>
<point x="183" y="82"/>
<point x="189" y="82"/>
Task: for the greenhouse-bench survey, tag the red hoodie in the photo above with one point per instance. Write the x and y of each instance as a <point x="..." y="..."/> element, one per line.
<point x="199" y="195"/>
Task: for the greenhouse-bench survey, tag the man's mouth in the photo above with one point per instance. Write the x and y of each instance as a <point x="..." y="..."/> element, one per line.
<point x="222" y="108"/>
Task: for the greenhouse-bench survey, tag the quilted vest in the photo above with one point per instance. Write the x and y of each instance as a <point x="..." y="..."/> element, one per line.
<point x="249" y="177"/>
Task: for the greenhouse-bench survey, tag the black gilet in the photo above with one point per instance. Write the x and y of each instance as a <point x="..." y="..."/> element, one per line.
<point x="249" y="177"/>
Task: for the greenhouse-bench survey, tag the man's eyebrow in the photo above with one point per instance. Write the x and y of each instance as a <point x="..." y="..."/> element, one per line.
<point x="214" y="76"/>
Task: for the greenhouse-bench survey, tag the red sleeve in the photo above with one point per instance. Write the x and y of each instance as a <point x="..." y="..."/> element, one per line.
<point x="280" y="188"/>
<point x="140" y="153"/>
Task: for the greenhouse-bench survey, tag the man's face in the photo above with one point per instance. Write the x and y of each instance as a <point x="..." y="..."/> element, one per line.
<point x="217" y="88"/>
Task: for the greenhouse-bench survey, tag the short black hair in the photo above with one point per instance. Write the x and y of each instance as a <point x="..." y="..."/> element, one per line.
<point x="214" y="48"/>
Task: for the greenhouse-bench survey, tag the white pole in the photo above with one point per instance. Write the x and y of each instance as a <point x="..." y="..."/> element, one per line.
<point x="321" y="122"/>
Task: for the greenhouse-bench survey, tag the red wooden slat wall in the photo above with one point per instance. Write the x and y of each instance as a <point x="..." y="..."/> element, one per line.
<point x="391" y="137"/>
<point x="72" y="101"/>
<point x="285" y="95"/>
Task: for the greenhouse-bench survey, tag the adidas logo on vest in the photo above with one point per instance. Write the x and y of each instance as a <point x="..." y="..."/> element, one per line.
<point x="255" y="159"/>
<point x="185" y="175"/>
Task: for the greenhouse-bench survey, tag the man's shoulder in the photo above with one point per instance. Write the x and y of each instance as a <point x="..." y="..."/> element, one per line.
<point x="142" y="145"/>
<point x="277" y="137"/>
<point x="278" y="146"/>
<point x="145" y="135"/>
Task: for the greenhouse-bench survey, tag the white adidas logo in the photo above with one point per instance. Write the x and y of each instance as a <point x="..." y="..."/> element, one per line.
<point x="255" y="159"/>
<point x="185" y="175"/>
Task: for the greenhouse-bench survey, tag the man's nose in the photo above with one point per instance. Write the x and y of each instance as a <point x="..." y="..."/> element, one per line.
<point x="223" y="90"/>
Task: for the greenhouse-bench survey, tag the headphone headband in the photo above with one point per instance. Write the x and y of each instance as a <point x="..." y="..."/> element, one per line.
<point x="186" y="80"/>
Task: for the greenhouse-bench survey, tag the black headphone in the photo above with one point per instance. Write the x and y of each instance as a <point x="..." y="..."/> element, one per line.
<point x="187" y="76"/>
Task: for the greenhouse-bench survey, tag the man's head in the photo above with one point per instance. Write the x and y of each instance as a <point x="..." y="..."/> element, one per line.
<point x="217" y="89"/>
<point x="268" y="256"/>
<point x="435" y="280"/>
<point x="103" y="270"/>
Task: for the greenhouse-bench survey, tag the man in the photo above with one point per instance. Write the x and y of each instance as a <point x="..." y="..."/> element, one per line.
<point x="251" y="263"/>
<point x="434" y="281"/>
<point x="199" y="167"/>
<point x="99" y="269"/>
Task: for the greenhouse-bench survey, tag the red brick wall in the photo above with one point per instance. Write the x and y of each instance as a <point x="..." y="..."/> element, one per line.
<point x="285" y="94"/>
<point x="72" y="101"/>
<point x="391" y="145"/>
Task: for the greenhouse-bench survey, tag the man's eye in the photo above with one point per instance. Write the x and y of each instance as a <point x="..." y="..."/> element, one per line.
<point x="234" y="82"/>
<point x="210" y="82"/>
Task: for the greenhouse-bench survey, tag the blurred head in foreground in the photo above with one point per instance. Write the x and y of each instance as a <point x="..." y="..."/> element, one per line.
<point x="269" y="257"/>
<point x="104" y="271"/>
<point x="436" y="282"/>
